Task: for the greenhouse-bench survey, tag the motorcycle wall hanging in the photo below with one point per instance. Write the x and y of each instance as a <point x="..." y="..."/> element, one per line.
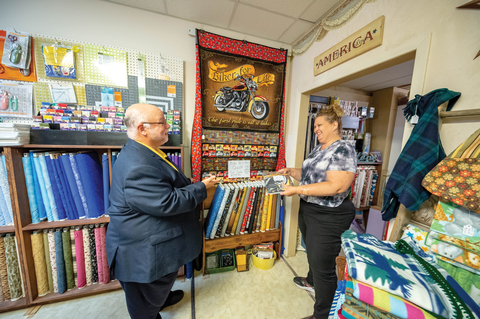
<point x="242" y="98"/>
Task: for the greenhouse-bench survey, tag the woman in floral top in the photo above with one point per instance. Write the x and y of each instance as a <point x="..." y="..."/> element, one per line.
<point x="325" y="211"/>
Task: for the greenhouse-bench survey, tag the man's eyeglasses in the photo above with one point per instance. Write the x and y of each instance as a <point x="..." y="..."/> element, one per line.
<point x="154" y="122"/>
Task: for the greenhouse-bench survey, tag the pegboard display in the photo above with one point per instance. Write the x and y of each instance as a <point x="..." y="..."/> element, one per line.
<point x="129" y="96"/>
<point x="49" y="41"/>
<point x="105" y="66"/>
<point x="42" y="94"/>
<point x="17" y="99"/>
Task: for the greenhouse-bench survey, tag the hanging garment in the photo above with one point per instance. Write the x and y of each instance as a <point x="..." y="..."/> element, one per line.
<point x="421" y="153"/>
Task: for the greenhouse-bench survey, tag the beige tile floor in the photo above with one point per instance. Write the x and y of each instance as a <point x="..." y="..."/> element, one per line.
<point x="254" y="294"/>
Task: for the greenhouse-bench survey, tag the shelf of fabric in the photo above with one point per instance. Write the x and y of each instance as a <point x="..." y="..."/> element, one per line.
<point x="13" y="305"/>
<point x="7" y="229"/>
<point x="66" y="223"/>
<point x="78" y="292"/>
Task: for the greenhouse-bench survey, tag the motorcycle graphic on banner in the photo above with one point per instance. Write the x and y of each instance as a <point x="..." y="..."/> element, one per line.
<point x="240" y="93"/>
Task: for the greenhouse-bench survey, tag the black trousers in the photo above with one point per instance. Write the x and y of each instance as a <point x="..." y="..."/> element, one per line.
<point x="145" y="300"/>
<point x="321" y="229"/>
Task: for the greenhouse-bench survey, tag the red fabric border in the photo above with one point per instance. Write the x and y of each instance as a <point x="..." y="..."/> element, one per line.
<point x="196" y="156"/>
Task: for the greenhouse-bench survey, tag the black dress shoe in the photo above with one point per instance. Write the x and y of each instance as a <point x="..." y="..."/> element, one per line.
<point x="173" y="298"/>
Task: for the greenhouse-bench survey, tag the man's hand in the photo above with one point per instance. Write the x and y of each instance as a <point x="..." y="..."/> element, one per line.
<point x="210" y="181"/>
<point x="192" y="180"/>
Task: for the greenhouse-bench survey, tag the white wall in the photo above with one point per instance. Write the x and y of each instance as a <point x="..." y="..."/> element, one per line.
<point x="445" y="39"/>
<point x="116" y="25"/>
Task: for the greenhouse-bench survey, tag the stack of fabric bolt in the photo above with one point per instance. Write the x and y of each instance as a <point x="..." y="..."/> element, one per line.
<point x="11" y="287"/>
<point x="397" y="280"/>
<point x="66" y="186"/>
<point x="70" y="257"/>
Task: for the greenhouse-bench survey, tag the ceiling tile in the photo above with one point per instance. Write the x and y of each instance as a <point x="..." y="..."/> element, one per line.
<point x="260" y="23"/>
<point x="211" y="12"/>
<point x="150" y="5"/>
<point x="295" y="31"/>
<point x="287" y="7"/>
<point x="318" y="9"/>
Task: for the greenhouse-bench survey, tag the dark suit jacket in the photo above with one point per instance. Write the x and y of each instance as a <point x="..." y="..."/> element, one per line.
<point x="154" y="213"/>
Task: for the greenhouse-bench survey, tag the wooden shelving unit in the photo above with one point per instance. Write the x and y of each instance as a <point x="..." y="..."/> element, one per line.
<point x="23" y="224"/>
<point x="231" y="242"/>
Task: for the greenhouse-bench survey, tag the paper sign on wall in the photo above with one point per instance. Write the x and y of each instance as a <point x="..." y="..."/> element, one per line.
<point x="238" y="169"/>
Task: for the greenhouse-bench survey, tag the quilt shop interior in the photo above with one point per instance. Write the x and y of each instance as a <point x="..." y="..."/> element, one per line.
<point x="241" y="97"/>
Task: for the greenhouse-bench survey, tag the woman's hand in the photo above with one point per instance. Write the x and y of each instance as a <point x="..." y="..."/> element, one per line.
<point x="284" y="171"/>
<point x="289" y="190"/>
<point x="210" y="181"/>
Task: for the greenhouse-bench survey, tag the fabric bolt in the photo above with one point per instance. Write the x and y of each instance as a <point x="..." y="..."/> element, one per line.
<point x="67" y="256"/>
<point x="74" y="256"/>
<point x="214" y="207"/>
<point x="13" y="269"/>
<point x="246" y="204"/>
<point x="53" y="259"/>
<point x="449" y="247"/>
<point x="60" y="259"/>
<point x="72" y="209"/>
<point x="253" y="209"/>
<point x="88" y="258"/>
<point x="40" y="265"/>
<point x="100" y="261"/>
<point x="220" y="211"/>
<point x="42" y="215"/>
<point x="229" y="212"/>
<point x="268" y="201"/>
<point x="354" y="308"/>
<point x="92" y="180"/>
<point x="379" y="265"/>
<point x="450" y="219"/>
<point x="235" y="206"/>
<point x="253" y="222"/>
<point x="80" y="256"/>
<point x="338" y="299"/>
<point x="422" y="152"/>
<point x="55" y="188"/>
<point x="106" y="182"/>
<point x="470" y="282"/>
<point x="418" y="235"/>
<point x="277" y="213"/>
<point x="7" y="209"/>
<point x="385" y="301"/>
<point x="43" y="189"/>
<point x="454" y="178"/>
<point x="73" y="187"/>
<point x="3" y="271"/>
<point x="80" y="187"/>
<point x="46" y="250"/>
<point x="258" y="217"/>
<point x="93" y="254"/>
<point x="248" y="210"/>
<point x="67" y="210"/>
<point x="48" y="187"/>
<point x="241" y="209"/>
<point x="106" y="270"/>
<point x="27" y="169"/>
<point x="3" y="209"/>
<point x="225" y="212"/>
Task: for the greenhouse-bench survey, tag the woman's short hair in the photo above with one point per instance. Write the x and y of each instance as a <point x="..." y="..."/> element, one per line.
<point x="332" y="113"/>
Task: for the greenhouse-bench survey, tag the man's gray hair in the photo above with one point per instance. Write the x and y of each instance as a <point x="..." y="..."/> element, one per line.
<point x="133" y="118"/>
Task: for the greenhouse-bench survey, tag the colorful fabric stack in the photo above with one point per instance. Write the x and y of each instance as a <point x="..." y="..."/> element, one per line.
<point x="70" y="257"/>
<point x="242" y="208"/>
<point x="391" y="284"/>
<point x="6" y="213"/>
<point x="65" y="186"/>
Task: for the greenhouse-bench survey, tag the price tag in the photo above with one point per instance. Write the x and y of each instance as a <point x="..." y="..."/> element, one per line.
<point x="414" y="119"/>
<point x="468" y="230"/>
<point x="238" y="169"/>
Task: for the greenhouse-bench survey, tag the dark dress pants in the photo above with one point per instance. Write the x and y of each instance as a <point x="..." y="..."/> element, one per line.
<point x="321" y="229"/>
<point x="145" y="300"/>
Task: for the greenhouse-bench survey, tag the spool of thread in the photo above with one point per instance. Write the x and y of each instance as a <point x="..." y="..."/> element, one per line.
<point x="366" y="143"/>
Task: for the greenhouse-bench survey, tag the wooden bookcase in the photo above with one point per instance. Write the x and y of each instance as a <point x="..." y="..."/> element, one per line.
<point x="23" y="226"/>
<point x="374" y="205"/>
<point x="231" y="242"/>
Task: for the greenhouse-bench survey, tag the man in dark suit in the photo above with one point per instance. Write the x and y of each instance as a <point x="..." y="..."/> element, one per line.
<point x="154" y="213"/>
